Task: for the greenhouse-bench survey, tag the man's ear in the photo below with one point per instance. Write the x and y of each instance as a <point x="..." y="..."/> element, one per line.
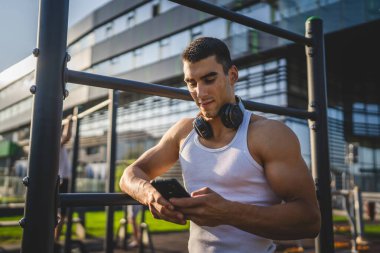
<point x="233" y="74"/>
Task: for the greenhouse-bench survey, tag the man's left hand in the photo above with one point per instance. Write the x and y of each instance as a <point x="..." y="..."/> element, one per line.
<point x="205" y="207"/>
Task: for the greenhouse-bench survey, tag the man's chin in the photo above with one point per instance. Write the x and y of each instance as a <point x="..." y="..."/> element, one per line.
<point x="209" y="115"/>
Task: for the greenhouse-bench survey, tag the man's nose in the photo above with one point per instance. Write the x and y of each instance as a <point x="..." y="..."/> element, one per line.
<point x="201" y="91"/>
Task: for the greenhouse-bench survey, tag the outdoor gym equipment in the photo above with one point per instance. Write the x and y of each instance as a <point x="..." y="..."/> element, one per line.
<point x="52" y="74"/>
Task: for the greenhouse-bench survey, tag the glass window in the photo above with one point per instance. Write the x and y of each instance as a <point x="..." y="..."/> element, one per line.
<point x="358" y="106"/>
<point x="373" y="119"/>
<point x="260" y="11"/>
<point x="143" y="13"/>
<point x="179" y="42"/>
<point x="372" y="108"/>
<point x="109" y="29"/>
<point x="151" y="53"/>
<point x="155" y="8"/>
<point x="166" y="5"/>
<point x="358" y="118"/>
<point x="165" y="48"/>
<point x="234" y="28"/>
<point x="366" y="155"/>
<point x="126" y="61"/>
<point x="216" y="28"/>
<point x="270" y="87"/>
<point x="137" y="58"/>
<point x="256" y="69"/>
<point x="131" y="19"/>
<point x="119" y="25"/>
<point x="239" y="43"/>
<point x="377" y="156"/>
<point x="100" y="34"/>
<point x="196" y="32"/>
<point x="116" y="65"/>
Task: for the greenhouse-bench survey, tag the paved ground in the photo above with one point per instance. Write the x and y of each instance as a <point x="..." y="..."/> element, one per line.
<point x="177" y="243"/>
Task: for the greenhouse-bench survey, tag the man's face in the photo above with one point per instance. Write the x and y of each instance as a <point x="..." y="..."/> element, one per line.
<point x="209" y="86"/>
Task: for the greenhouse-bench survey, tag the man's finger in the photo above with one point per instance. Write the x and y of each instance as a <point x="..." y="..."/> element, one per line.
<point x="186" y="202"/>
<point x="202" y="191"/>
<point x="162" y="201"/>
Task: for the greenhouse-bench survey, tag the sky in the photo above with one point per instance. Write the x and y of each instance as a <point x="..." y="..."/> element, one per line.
<point x="18" y="26"/>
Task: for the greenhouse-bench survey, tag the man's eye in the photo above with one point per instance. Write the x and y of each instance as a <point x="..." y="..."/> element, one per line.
<point x="210" y="80"/>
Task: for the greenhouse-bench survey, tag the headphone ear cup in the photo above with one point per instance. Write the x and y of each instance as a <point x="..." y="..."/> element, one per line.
<point x="202" y="127"/>
<point x="231" y="116"/>
<point x="236" y="116"/>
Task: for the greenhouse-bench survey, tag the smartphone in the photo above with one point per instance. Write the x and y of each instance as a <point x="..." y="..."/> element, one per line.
<point x="170" y="188"/>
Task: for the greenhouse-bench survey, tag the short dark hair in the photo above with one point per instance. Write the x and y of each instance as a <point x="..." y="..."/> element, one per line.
<point x="204" y="47"/>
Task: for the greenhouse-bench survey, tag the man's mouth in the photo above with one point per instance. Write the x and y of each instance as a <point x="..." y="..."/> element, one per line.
<point x="205" y="103"/>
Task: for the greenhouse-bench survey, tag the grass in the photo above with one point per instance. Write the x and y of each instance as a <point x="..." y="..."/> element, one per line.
<point x="339" y="219"/>
<point x="10" y="234"/>
<point x="95" y="226"/>
<point x="6" y="200"/>
<point x="96" y="222"/>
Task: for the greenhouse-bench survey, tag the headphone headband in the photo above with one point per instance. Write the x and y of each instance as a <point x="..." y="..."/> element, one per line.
<point x="231" y="116"/>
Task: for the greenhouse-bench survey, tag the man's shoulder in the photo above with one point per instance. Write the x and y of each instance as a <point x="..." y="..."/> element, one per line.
<point x="267" y="126"/>
<point x="183" y="127"/>
<point x="268" y="135"/>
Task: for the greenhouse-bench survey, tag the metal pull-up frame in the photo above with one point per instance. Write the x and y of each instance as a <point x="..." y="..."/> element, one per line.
<point x="51" y="75"/>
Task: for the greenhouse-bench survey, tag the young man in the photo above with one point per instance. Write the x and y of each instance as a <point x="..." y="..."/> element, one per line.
<point x="248" y="181"/>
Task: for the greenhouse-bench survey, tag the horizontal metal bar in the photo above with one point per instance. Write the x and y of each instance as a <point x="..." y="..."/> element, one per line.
<point x="88" y="111"/>
<point x="93" y="109"/>
<point x="126" y="85"/>
<point x="172" y="92"/>
<point x="371" y="196"/>
<point x="95" y="199"/>
<point x="244" y="20"/>
<point x="280" y="110"/>
<point x="341" y="192"/>
<point x="9" y="223"/>
<point x="12" y="205"/>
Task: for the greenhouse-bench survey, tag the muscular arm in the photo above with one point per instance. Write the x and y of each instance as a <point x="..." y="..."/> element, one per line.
<point x="287" y="174"/>
<point x="154" y="162"/>
<point x="277" y="148"/>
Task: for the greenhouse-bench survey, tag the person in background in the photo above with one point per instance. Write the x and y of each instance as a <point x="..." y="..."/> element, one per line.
<point x="64" y="171"/>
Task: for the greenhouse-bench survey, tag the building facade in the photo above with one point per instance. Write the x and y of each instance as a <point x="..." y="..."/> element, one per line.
<point x="142" y="40"/>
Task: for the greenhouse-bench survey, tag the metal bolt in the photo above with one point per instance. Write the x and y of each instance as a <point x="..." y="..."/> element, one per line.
<point x="310" y="51"/>
<point x="313" y="126"/>
<point x="33" y="89"/>
<point x="25" y="181"/>
<point x="36" y="52"/>
<point x="313" y="104"/>
<point x="57" y="220"/>
<point x="65" y="94"/>
<point x="22" y="222"/>
<point x="68" y="57"/>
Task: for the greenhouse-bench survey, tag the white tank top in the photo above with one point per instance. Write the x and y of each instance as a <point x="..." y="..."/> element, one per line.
<point x="232" y="172"/>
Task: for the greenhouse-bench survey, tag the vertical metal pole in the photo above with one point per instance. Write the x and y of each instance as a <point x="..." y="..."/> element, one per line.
<point x="318" y="131"/>
<point x="111" y="158"/>
<point x="358" y="204"/>
<point x="74" y="164"/>
<point x="39" y="220"/>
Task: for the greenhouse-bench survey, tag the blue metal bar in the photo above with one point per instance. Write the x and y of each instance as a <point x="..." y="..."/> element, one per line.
<point x="244" y="20"/>
<point x="40" y="209"/>
<point x="171" y="92"/>
<point x="320" y="161"/>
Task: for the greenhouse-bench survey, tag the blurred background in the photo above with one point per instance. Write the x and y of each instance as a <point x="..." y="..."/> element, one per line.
<point x="142" y="40"/>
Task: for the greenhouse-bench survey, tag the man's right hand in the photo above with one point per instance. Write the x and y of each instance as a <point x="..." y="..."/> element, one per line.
<point x="163" y="209"/>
